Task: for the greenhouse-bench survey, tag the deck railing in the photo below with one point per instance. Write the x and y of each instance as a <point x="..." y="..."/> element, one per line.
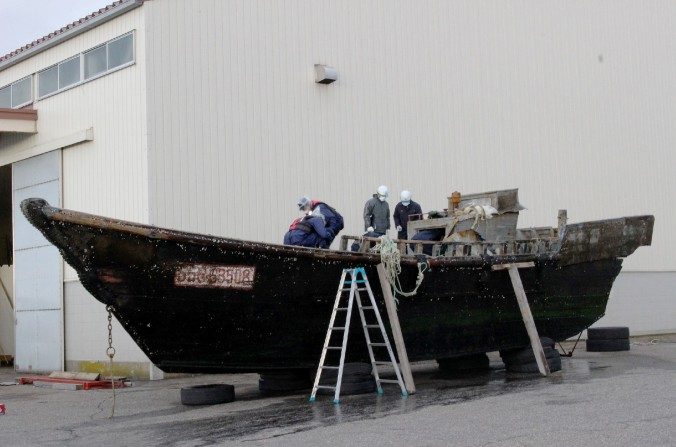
<point x="457" y="249"/>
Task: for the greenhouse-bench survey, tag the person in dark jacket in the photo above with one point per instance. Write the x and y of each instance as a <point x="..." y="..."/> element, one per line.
<point x="405" y="210"/>
<point x="308" y="231"/>
<point x="377" y="213"/>
<point x="333" y="219"/>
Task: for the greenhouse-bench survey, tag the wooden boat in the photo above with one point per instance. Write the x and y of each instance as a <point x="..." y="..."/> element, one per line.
<point x="197" y="303"/>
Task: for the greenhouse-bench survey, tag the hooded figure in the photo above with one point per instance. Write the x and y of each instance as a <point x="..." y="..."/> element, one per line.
<point x="377" y="213"/>
<point x="332" y="218"/>
<point x="307" y="231"/>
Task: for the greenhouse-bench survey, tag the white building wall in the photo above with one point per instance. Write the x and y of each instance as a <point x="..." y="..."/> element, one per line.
<point x="107" y="175"/>
<point x="571" y="102"/>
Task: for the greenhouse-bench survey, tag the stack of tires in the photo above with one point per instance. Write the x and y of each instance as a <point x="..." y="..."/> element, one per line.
<point x="523" y="360"/>
<point x="357" y="379"/>
<point x="284" y="381"/>
<point x="607" y="339"/>
<point x="465" y="364"/>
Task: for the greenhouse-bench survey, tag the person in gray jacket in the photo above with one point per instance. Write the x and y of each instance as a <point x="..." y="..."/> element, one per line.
<point x="377" y="213"/>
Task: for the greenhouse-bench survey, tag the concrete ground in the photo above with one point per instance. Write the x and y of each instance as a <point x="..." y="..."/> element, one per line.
<point x="598" y="399"/>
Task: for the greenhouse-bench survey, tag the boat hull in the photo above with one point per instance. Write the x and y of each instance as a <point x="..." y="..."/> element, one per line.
<point x="195" y="303"/>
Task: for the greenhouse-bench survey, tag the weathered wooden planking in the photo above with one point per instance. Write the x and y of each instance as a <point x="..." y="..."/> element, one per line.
<point x="604" y="239"/>
<point x="74" y="375"/>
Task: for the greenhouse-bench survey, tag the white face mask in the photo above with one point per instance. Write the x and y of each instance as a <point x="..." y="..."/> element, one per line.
<point x="406" y="203"/>
<point x="382" y="198"/>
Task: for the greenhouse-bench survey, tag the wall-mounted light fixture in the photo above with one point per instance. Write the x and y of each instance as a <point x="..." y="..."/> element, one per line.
<point x="325" y="74"/>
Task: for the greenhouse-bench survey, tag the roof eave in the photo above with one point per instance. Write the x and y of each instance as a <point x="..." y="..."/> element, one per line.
<point x="128" y="5"/>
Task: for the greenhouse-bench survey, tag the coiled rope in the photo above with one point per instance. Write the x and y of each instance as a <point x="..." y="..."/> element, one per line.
<point x="391" y="259"/>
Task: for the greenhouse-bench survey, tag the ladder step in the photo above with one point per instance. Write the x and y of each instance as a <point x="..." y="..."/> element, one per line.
<point x="389" y="381"/>
<point x="333" y="347"/>
<point x="367" y="307"/>
<point x="326" y="387"/>
<point x="337" y="328"/>
<point x="340" y="308"/>
<point x="330" y="367"/>
<point x="378" y="344"/>
<point x="372" y="326"/>
<point x="382" y="363"/>
<point x="359" y="281"/>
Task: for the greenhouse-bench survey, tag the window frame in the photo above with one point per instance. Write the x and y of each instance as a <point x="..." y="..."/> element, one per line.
<point x="58" y="70"/>
<point x="11" y="93"/>
<point x="37" y="82"/>
<point x="82" y="55"/>
<point x="108" y="71"/>
<point x="133" y="51"/>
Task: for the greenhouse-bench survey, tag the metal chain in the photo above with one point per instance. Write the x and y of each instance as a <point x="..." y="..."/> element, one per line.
<point x="110" y="352"/>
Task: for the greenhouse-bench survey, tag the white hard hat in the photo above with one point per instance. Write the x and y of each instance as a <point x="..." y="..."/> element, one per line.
<point x="405" y="196"/>
<point x="382" y="190"/>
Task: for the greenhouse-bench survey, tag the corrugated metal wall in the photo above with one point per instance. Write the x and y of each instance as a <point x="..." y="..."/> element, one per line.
<point x="107" y="175"/>
<point x="572" y="102"/>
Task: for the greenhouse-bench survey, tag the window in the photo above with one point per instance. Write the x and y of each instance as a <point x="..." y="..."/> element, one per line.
<point x="95" y="62"/>
<point x="6" y="97"/>
<point x="48" y="81"/>
<point x="120" y="51"/>
<point x="21" y="92"/>
<point x="69" y="72"/>
<point x="98" y="61"/>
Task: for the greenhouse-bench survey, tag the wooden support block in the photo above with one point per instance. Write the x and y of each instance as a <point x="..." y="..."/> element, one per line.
<point x="404" y="365"/>
<point x="518" y="265"/>
<point x="58" y="386"/>
<point x="74" y="375"/>
<point x="527" y="316"/>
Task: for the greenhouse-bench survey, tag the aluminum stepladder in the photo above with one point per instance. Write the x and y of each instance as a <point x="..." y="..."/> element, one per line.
<point x="357" y="278"/>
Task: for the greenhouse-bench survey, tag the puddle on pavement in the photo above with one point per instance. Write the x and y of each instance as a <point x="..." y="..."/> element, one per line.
<point x="295" y="414"/>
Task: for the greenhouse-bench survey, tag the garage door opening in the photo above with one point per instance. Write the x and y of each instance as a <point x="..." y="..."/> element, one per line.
<point x="6" y="272"/>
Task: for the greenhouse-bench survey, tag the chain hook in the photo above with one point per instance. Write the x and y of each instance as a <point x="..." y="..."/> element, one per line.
<point x="110" y="352"/>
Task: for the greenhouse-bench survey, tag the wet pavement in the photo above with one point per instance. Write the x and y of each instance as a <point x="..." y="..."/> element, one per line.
<point x="622" y="398"/>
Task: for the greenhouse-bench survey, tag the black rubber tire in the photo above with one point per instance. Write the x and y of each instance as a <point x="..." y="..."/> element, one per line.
<point x="530" y="368"/>
<point x="607" y="333"/>
<point x="288" y="374"/>
<point x="346" y="379"/>
<point x="618" y="344"/>
<point x="526" y="355"/>
<point x="271" y="385"/>
<point x="284" y="380"/>
<point x="350" y="369"/>
<point x="212" y="394"/>
<point x="546" y="341"/>
<point x="346" y="389"/>
<point x="475" y="362"/>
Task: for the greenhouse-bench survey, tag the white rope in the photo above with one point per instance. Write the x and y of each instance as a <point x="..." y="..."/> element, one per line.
<point x="391" y="259"/>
